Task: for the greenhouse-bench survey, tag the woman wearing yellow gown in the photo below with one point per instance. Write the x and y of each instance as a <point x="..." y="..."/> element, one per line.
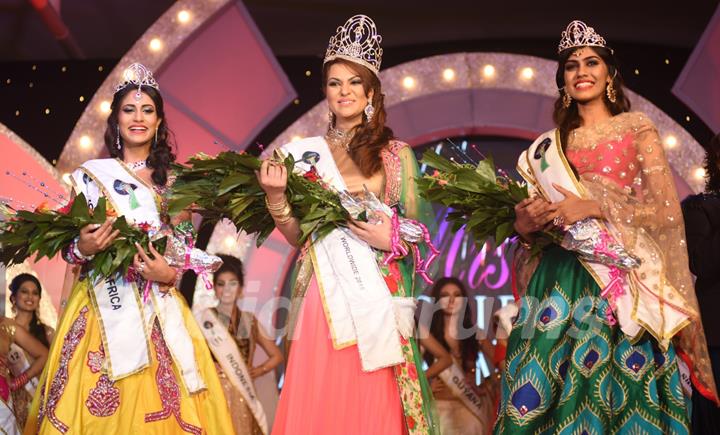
<point x="123" y="363"/>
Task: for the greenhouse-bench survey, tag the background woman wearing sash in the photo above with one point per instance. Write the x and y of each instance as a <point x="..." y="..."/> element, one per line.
<point x="247" y="334"/>
<point x="344" y="397"/>
<point x="569" y="367"/>
<point x="453" y="327"/>
<point x="122" y="373"/>
<point x="25" y="293"/>
<point x="13" y="335"/>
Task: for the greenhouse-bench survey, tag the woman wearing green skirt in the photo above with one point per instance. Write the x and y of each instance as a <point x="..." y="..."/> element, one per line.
<point x="608" y="336"/>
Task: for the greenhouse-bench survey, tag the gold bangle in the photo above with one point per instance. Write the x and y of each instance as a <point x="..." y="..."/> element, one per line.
<point x="276" y="206"/>
<point x="282" y="212"/>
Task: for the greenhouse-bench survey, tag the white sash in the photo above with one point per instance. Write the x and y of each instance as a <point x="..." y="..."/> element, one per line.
<point x="454" y="378"/>
<point x="8" y="424"/>
<point x="358" y="304"/>
<point x="18" y="363"/>
<point x="639" y="307"/>
<point x="122" y="317"/>
<point x="226" y="352"/>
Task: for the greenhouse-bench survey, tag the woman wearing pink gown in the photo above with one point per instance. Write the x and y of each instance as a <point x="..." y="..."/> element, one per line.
<point x="354" y="366"/>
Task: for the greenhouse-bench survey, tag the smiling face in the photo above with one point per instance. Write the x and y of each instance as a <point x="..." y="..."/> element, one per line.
<point x="345" y="94"/>
<point x="227" y="288"/>
<point x="586" y="75"/>
<point x="138" y="120"/>
<point x="27" y="297"/>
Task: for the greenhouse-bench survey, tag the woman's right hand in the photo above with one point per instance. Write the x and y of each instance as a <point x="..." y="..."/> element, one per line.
<point x="273" y="178"/>
<point x="531" y="215"/>
<point x="94" y="238"/>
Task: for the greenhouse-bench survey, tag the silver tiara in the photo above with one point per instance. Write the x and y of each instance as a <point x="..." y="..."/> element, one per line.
<point x="357" y="41"/>
<point x="578" y="34"/>
<point x="137" y="75"/>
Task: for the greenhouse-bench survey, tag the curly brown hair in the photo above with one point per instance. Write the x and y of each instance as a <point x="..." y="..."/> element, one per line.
<point x="370" y="137"/>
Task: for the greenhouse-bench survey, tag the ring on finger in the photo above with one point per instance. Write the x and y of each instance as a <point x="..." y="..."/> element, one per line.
<point x="558" y="220"/>
<point x="141" y="267"/>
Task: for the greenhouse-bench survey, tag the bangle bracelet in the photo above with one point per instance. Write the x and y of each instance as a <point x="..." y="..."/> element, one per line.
<point x="276" y="206"/>
<point x="75" y="251"/>
<point x="286" y="211"/>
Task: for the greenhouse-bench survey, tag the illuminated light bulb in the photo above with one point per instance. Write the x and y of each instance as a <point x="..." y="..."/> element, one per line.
<point x="488" y="71"/>
<point x="699" y="173"/>
<point x="105" y="107"/>
<point x="409" y="82"/>
<point x="183" y="16"/>
<point x="155" y="44"/>
<point x="85" y="141"/>
<point x="295" y="138"/>
<point x="527" y="73"/>
<point x="448" y="74"/>
<point x="670" y="141"/>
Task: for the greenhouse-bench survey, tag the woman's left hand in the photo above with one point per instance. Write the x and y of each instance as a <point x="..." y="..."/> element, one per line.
<point x="153" y="269"/>
<point x="572" y="208"/>
<point x="377" y="235"/>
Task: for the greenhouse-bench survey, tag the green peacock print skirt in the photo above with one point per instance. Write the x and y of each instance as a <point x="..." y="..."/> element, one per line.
<point x="569" y="371"/>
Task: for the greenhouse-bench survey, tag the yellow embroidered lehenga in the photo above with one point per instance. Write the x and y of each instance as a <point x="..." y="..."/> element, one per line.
<point x="76" y="394"/>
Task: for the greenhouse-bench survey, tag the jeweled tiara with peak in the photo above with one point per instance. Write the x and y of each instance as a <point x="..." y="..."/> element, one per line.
<point x="578" y="34"/>
<point x="357" y="41"/>
<point x="137" y="75"/>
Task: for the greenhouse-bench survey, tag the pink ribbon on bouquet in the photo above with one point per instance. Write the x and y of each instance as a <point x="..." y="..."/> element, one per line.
<point x="614" y="289"/>
<point x="398" y="250"/>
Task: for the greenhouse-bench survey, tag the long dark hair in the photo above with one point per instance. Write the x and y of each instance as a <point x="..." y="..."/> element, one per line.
<point x="568" y="119"/>
<point x="161" y="151"/>
<point x="37" y="329"/>
<point x="712" y="160"/>
<point x="469" y="346"/>
<point x="230" y="264"/>
<point x="233" y="265"/>
<point x="370" y="137"/>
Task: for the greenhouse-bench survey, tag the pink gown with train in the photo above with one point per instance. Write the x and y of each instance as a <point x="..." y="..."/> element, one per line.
<point x="325" y="390"/>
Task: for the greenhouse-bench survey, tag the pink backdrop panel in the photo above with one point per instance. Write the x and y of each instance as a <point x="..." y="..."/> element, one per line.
<point x="698" y="85"/>
<point x="190" y="137"/>
<point x="19" y="159"/>
<point x="226" y="80"/>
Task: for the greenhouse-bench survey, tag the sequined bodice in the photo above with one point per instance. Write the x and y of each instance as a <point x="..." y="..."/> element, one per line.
<point x="613" y="157"/>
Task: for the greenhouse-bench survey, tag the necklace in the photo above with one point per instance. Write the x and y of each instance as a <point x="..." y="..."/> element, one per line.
<point x="136" y="166"/>
<point x="339" y="139"/>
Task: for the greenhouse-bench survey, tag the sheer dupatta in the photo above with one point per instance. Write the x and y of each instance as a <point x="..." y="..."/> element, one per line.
<point x="638" y="195"/>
